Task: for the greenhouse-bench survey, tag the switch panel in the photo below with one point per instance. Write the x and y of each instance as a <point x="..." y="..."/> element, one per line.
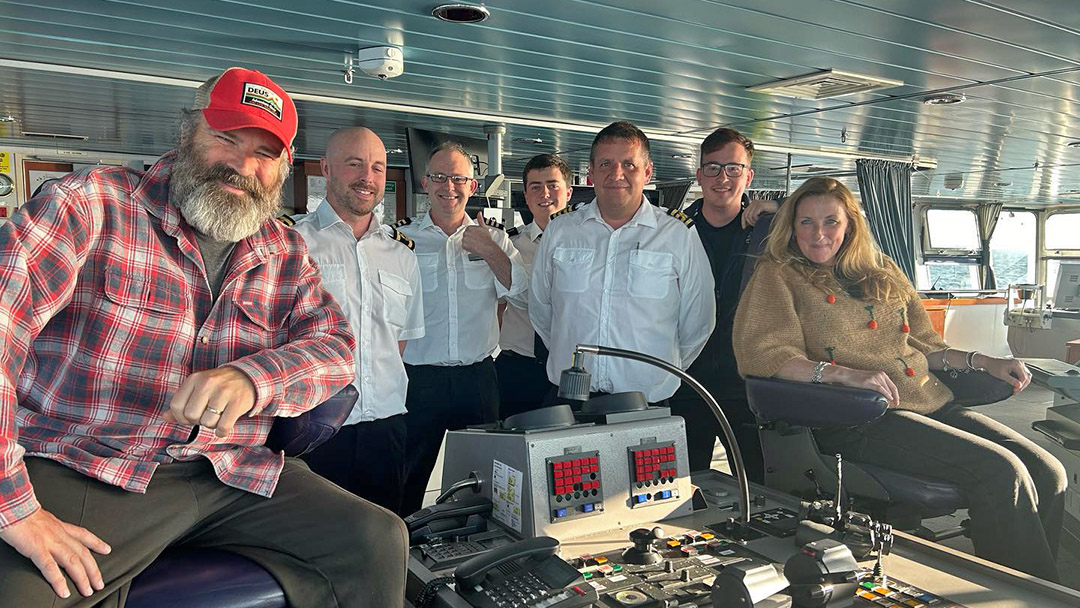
<point x="654" y="473"/>
<point x="574" y="488"/>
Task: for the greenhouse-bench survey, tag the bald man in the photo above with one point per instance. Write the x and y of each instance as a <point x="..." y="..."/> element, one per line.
<point x="372" y="272"/>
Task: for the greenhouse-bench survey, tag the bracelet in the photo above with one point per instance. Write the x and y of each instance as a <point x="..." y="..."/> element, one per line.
<point x="945" y="367"/>
<point x="816" y="376"/>
<point x="971" y="362"/>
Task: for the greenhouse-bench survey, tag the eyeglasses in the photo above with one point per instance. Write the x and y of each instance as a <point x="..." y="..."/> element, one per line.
<point x="458" y="180"/>
<point x="729" y="169"/>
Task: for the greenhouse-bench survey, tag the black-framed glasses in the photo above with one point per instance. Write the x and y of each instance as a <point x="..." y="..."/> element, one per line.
<point x="457" y="180"/>
<point x="729" y="169"/>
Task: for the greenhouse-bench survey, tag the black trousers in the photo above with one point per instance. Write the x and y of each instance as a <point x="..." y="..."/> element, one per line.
<point x="324" y="546"/>
<point x="442" y="398"/>
<point x="702" y="429"/>
<point x="523" y="383"/>
<point x="367" y="459"/>
<point x="1015" y="489"/>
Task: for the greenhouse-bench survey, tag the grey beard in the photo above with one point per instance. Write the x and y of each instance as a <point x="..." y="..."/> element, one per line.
<point x="226" y="217"/>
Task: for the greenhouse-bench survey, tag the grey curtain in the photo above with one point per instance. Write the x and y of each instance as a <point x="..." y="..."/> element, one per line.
<point x="885" y="187"/>
<point x="673" y="194"/>
<point x="988" y="218"/>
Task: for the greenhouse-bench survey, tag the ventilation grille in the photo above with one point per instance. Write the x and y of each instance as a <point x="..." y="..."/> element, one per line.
<point x="825" y="85"/>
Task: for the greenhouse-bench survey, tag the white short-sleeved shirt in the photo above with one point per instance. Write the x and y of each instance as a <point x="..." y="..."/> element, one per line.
<point x="646" y="287"/>
<point x="517" y="330"/>
<point x="460" y="295"/>
<point x="376" y="280"/>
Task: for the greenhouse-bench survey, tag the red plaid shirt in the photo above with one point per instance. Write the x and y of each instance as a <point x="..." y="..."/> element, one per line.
<point x="105" y="309"/>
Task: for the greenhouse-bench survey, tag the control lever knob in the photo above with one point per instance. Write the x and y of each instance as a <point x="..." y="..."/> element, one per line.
<point x="643" y="552"/>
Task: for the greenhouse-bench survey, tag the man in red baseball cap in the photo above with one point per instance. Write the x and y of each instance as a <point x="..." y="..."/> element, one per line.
<point x="154" y="324"/>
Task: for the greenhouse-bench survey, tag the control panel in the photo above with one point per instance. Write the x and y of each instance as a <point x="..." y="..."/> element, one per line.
<point x="576" y="479"/>
<point x="574" y="486"/>
<point x="654" y="471"/>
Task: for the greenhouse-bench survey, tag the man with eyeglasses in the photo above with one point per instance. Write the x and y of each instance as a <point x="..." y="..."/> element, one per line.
<point x="466" y="266"/>
<point x="624" y="273"/>
<point x="725" y="219"/>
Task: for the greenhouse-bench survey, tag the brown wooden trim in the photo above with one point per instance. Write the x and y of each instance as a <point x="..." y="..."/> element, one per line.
<point x="398" y="177"/>
<point x="301" y="171"/>
<point x="37" y="165"/>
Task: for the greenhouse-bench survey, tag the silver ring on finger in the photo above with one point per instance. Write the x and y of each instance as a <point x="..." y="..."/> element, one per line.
<point x="213" y="411"/>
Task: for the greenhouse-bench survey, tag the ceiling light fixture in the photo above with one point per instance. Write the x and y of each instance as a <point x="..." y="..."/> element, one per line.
<point x="528" y="140"/>
<point x="54" y="135"/>
<point x="395" y="151"/>
<point x="1073" y="144"/>
<point x="461" y="13"/>
<point x="944" y="99"/>
<point x="825" y="85"/>
<point x="683" y="155"/>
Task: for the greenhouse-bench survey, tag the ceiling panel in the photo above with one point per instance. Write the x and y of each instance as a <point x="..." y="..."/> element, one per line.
<point x="560" y="70"/>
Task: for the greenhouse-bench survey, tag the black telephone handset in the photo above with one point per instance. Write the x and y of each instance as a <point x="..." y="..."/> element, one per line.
<point x="455" y="518"/>
<point x="524" y="574"/>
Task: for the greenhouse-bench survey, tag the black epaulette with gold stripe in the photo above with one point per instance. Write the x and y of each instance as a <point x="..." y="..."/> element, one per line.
<point x="494" y="223"/>
<point x="682" y="217"/>
<point x="513" y="231"/>
<point x="401" y="238"/>
<point x="565" y="210"/>
<point x="405" y="221"/>
<point x="286" y="219"/>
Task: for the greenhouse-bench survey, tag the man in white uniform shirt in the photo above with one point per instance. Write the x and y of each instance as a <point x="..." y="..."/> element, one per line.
<point x="465" y="267"/>
<point x="373" y="274"/>
<point x="621" y="272"/>
<point x="523" y="382"/>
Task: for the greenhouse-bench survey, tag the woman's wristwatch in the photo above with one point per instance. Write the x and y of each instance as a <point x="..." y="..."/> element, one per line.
<point x="820" y="367"/>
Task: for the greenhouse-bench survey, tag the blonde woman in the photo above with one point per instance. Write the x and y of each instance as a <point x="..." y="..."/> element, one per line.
<point x="825" y="305"/>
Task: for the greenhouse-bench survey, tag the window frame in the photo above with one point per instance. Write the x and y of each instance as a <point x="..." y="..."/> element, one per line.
<point x="969" y="256"/>
<point x="1038" y="261"/>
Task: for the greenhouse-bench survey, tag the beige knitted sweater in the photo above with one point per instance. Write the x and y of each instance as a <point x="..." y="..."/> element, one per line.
<point x="782" y="316"/>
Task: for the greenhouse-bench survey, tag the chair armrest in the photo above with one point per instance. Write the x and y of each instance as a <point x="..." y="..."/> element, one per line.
<point x="299" y="435"/>
<point x="975" y="388"/>
<point x="814" y="405"/>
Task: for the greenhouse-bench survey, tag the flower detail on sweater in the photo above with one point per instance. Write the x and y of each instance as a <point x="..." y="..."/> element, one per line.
<point x="872" y="324"/>
<point x="904" y="327"/>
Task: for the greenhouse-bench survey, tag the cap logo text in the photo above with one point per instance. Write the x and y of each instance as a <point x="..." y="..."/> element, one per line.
<point x="263" y="98"/>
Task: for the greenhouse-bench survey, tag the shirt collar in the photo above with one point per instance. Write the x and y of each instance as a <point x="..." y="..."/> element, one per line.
<point x="326" y="216"/>
<point x="426" y="223"/>
<point x="645" y="215"/>
<point x="532" y="231"/>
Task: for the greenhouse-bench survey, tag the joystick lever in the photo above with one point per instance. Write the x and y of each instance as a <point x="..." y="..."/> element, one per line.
<point x="643" y="552"/>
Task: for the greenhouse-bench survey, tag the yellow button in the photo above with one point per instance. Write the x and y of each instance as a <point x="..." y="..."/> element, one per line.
<point x="205" y="339"/>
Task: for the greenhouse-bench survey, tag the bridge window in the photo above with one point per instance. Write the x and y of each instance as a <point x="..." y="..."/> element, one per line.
<point x="948" y="275"/>
<point x="1062" y="243"/>
<point x="952" y="230"/>
<point x="1012" y="248"/>
<point x="950" y="250"/>
<point x="1063" y="231"/>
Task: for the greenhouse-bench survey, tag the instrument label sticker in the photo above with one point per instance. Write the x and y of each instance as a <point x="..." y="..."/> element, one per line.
<point x="505" y="495"/>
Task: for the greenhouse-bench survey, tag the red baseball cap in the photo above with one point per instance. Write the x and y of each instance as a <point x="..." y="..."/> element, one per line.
<point x="240" y="98"/>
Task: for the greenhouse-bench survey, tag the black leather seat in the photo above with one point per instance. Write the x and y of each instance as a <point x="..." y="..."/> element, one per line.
<point x="210" y="578"/>
<point x="788" y="412"/>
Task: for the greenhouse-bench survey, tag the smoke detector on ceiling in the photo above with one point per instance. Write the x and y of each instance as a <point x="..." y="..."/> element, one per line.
<point x="382" y="62"/>
<point x="825" y="85"/>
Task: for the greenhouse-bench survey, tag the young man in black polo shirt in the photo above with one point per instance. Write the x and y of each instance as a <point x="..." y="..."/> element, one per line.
<point x="724" y="218"/>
